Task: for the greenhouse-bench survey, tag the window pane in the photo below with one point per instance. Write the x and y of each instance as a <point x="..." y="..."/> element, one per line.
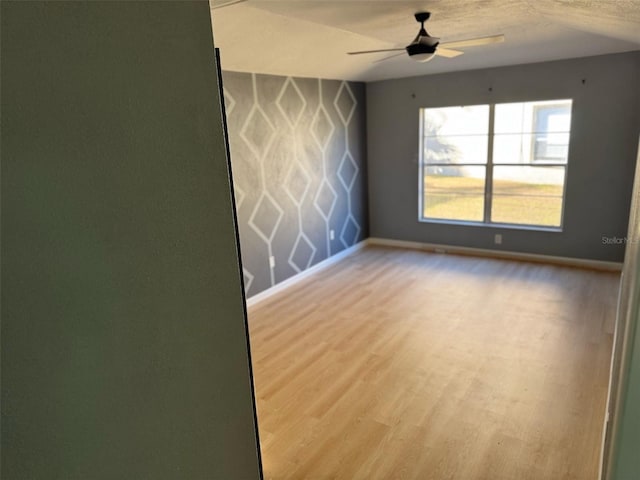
<point x="533" y="117"/>
<point x="511" y="118"/>
<point x="454" y="193"/>
<point x="530" y="148"/>
<point x="446" y="121"/>
<point x="456" y="149"/>
<point x="528" y="195"/>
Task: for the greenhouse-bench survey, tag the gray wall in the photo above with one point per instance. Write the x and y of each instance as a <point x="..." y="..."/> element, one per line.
<point x="124" y="350"/>
<point x="298" y="155"/>
<point x="602" y="152"/>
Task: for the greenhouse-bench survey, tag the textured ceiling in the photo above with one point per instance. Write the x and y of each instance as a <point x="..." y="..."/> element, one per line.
<point x="310" y="38"/>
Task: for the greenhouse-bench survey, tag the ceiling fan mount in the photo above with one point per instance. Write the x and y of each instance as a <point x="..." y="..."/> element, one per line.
<point x="422" y="17"/>
<point x="424" y="47"/>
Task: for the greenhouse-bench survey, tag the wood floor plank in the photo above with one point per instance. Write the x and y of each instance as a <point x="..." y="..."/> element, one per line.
<point x="407" y="364"/>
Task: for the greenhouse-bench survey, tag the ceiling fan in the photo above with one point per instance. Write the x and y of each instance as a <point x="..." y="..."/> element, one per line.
<point x="424" y="46"/>
<point x="216" y="4"/>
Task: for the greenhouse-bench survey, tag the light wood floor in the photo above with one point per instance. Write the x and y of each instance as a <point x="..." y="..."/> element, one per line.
<point x="405" y="364"/>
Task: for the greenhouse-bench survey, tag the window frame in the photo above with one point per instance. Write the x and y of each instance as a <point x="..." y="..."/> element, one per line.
<point x="489" y="166"/>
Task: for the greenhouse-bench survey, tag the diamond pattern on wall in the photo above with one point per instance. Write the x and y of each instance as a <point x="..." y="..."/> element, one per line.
<point x="248" y="280"/>
<point x="302" y="253"/>
<point x="347" y="171"/>
<point x="291" y="102"/>
<point x="322" y="128"/>
<point x="258" y="132"/>
<point x="350" y="231"/>
<point x="239" y="194"/>
<point x="297" y="183"/>
<point x="266" y="217"/>
<point x="345" y="103"/>
<point x="229" y="102"/>
<point x="291" y="190"/>
<point x="325" y="200"/>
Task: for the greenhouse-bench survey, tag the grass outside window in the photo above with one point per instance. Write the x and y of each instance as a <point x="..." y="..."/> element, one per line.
<point x="454" y="197"/>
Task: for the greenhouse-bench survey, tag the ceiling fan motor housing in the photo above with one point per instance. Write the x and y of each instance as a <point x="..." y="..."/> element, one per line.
<point x="420" y="48"/>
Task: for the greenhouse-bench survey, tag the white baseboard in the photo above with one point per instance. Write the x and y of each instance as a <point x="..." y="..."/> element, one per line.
<point x="481" y="252"/>
<point x="437" y="248"/>
<point x="269" y="292"/>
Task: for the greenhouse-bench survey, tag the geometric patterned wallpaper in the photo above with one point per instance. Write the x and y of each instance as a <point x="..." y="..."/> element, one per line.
<point x="298" y="154"/>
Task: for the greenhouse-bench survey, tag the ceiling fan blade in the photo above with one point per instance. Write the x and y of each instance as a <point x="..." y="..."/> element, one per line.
<point x="474" y="42"/>
<point x="376" y="51"/>
<point x="447" y="52"/>
<point x="388" y="58"/>
<point x="228" y="3"/>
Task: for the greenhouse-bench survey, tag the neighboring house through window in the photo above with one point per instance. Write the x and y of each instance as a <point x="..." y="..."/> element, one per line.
<point x="552" y="126"/>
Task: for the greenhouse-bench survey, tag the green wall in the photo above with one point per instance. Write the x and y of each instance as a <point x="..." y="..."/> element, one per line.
<point x="124" y="348"/>
<point x="627" y="457"/>
<point x="622" y="456"/>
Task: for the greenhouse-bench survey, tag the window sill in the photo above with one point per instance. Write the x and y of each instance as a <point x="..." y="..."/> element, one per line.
<point x="502" y="226"/>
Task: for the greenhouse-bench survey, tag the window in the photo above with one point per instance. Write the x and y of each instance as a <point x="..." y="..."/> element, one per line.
<point x="495" y="164"/>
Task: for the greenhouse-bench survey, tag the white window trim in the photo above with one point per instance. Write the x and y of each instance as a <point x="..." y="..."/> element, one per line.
<point x="488" y="186"/>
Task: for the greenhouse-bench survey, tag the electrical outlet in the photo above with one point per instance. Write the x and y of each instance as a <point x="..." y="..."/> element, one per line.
<point x="332" y="235"/>
<point x="272" y="261"/>
<point x="497" y="239"/>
